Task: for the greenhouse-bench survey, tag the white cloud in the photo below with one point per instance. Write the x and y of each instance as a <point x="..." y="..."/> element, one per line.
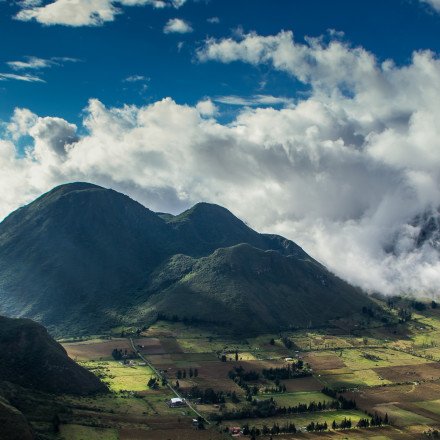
<point x="213" y="20"/>
<point x="178" y="26"/>
<point x="207" y="108"/>
<point x="52" y="136"/>
<point x="30" y="63"/>
<point x="136" y="78"/>
<point x="21" y="122"/>
<point x="83" y="12"/>
<point x="254" y="100"/>
<point x="25" y="77"/>
<point x="343" y="171"/>
<point x="35" y="63"/>
<point x="435" y="4"/>
<point x="71" y="13"/>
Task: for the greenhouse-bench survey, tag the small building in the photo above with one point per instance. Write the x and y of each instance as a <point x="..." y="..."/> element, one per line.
<point x="176" y="402"/>
<point x="235" y="431"/>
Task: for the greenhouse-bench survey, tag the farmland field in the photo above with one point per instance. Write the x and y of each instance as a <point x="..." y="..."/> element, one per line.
<point x="391" y="372"/>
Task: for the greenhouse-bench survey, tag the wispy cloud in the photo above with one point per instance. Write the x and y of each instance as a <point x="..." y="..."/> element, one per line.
<point x="254" y="100"/>
<point x="177" y="26"/>
<point x="35" y="63"/>
<point x="213" y="20"/>
<point x="136" y="78"/>
<point x="25" y="77"/>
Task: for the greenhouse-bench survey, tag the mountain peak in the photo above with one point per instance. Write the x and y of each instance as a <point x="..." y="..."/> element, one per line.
<point x="76" y="186"/>
<point x="204" y="210"/>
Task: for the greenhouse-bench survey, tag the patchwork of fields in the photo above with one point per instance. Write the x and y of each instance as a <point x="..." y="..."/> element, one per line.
<point x="261" y="383"/>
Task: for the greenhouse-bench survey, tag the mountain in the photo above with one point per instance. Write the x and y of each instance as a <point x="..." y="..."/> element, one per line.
<point x="30" y="358"/>
<point x="34" y="369"/>
<point x="245" y="287"/>
<point x="14" y="425"/>
<point x="83" y="259"/>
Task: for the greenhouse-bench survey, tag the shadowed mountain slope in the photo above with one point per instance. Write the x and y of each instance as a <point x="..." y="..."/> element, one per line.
<point x="30" y="358"/>
<point x="244" y="287"/>
<point x="82" y="259"/>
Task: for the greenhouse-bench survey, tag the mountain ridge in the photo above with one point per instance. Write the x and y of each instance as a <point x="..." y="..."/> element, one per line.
<point x="82" y="258"/>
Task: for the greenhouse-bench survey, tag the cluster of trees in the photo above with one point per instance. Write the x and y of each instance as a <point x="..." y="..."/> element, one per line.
<point x="255" y="409"/>
<point x="375" y="420"/>
<point x="290" y="427"/>
<point x="240" y="372"/>
<point x="329" y="392"/>
<point x="278" y="388"/>
<point x="371" y="357"/>
<point x="344" y="403"/>
<point x="208" y="396"/>
<point x="404" y="315"/>
<point x="240" y="377"/>
<point x="290" y="372"/>
<point x="224" y="358"/>
<point x="374" y="313"/>
<point x="288" y="343"/>
<point x="265" y="430"/>
<point x="344" y="424"/>
<point x="181" y="374"/>
<point x="269" y="408"/>
<point x="311" y="407"/>
<point x="312" y="426"/>
<point x="153" y="383"/>
<point x="119" y="354"/>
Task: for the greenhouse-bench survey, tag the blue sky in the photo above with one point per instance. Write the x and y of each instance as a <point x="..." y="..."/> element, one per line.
<point x="134" y="45"/>
<point x="314" y="119"/>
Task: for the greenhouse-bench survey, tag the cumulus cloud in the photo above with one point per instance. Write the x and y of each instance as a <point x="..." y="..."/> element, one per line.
<point x="177" y="26"/>
<point x="52" y="136"/>
<point x="83" y="12"/>
<point x="207" y="108"/>
<point x="344" y="170"/>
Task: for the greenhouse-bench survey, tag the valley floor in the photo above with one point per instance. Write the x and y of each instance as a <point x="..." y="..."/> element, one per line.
<point x="390" y="371"/>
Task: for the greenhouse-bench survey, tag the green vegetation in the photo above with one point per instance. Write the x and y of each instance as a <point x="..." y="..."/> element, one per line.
<point x="120" y="377"/>
<point x="83" y="260"/>
<point x="79" y="432"/>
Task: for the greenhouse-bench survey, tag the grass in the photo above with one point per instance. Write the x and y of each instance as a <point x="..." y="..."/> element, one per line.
<point x="302" y="420"/>
<point x="430" y="405"/>
<point x="403" y="417"/>
<point x="121" y="377"/>
<point x="293" y="399"/>
<point x="79" y="432"/>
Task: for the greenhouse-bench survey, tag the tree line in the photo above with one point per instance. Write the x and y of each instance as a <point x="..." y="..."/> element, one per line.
<point x="181" y="374"/>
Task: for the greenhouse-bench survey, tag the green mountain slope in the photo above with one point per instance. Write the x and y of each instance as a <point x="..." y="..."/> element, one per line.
<point x="247" y="288"/>
<point x="83" y="259"/>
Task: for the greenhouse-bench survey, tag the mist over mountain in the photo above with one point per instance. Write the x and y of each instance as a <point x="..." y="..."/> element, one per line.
<point x="83" y="258"/>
